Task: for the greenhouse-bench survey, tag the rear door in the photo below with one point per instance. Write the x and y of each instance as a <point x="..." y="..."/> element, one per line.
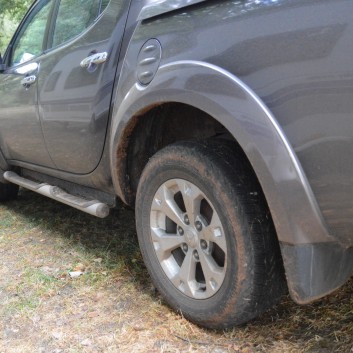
<point x="76" y="80"/>
<point x="21" y="137"/>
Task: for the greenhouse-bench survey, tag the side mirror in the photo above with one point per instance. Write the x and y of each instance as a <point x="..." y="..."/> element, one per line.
<point x="2" y="65"/>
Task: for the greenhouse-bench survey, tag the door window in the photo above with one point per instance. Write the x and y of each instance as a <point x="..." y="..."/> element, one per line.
<point x="74" y="17"/>
<point x="30" y="41"/>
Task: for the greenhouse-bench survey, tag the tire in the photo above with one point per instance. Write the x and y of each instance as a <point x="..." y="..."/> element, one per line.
<point x="206" y="235"/>
<point x="8" y="192"/>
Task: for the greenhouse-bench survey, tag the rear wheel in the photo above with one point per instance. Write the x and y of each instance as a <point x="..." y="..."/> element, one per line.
<point x="8" y="192"/>
<point x="206" y="235"/>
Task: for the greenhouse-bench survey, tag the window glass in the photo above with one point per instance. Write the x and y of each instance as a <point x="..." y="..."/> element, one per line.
<point x="73" y="18"/>
<point x="30" y="41"/>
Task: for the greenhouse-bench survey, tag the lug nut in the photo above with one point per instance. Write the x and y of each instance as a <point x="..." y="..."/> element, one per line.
<point x="203" y="244"/>
<point x="186" y="219"/>
<point x="180" y="231"/>
<point x="196" y="256"/>
<point x="185" y="247"/>
<point x="198" y="226"/>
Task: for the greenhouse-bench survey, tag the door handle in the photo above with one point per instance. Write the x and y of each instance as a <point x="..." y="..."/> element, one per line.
<point x="95" y="59"/>
<point x="28" y="81"/>
<point x="27" y="69"/>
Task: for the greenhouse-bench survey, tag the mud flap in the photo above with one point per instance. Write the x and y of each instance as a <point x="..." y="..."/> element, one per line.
<point x="315" y="270"/>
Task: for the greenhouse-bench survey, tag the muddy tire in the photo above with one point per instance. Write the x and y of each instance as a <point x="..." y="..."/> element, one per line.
<point x="206" y="235"/>
<point x="8" y="192"/>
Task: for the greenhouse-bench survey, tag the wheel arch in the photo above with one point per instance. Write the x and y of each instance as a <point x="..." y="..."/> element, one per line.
<point x="241" y="112"/>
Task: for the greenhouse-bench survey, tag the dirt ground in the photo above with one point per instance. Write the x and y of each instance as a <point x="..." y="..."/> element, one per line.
<point x="111" y="306"/>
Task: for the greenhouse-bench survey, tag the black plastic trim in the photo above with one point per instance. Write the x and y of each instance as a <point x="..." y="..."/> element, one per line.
<point x="315" y="270"/>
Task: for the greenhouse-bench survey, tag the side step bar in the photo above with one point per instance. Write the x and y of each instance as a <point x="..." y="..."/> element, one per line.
<point x="93" y="207"/>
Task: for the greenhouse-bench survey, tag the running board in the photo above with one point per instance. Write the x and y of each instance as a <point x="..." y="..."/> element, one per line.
<point x="93" y="207"/>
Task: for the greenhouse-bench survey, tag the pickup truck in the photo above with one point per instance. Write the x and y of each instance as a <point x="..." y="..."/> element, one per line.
<point x="228" y="125"/>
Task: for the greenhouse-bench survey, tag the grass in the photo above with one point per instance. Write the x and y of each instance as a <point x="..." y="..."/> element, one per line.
<point x="113" y="306"/>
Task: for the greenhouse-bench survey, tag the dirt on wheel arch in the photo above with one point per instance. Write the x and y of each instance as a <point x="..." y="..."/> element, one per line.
<point x="72" y="283"/>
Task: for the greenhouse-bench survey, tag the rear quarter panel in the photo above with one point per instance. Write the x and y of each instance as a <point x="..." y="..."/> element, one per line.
<point x="296" y="55"/>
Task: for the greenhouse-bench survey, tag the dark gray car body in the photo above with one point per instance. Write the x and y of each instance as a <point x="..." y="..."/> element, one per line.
<point x="276" y="76"/>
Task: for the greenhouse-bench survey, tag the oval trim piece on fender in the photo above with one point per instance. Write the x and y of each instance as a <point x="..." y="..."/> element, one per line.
<point x="148" y="61"/>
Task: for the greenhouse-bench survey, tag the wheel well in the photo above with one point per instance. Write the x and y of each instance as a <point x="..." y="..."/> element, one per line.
<point x="154" y="128"/>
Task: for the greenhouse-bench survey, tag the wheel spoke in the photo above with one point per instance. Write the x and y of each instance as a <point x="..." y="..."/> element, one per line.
<point x="214" y="275"/>
<point x="192" y="197"/>
<point x="186" y="276"/>
<point x="164" y="202"/>
<point x="214" y="233"/>
<point x="164" y="243"/>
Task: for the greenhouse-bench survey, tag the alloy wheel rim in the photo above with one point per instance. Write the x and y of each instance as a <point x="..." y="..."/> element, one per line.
<point x="188" y="239"/>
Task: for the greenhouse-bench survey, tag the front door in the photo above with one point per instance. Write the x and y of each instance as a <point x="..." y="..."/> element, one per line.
<point x="21" y="135"/>
<point x="76" y="80"/>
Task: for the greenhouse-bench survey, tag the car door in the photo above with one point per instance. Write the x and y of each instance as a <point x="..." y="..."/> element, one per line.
<point x="76" y="80"/>
<point x="21" y="135"/>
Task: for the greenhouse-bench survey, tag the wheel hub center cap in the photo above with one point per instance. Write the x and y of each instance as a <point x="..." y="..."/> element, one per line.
<point x="191" y="238"/>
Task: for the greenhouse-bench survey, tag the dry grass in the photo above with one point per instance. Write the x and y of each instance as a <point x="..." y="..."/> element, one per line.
<point x="113" y="307"/>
